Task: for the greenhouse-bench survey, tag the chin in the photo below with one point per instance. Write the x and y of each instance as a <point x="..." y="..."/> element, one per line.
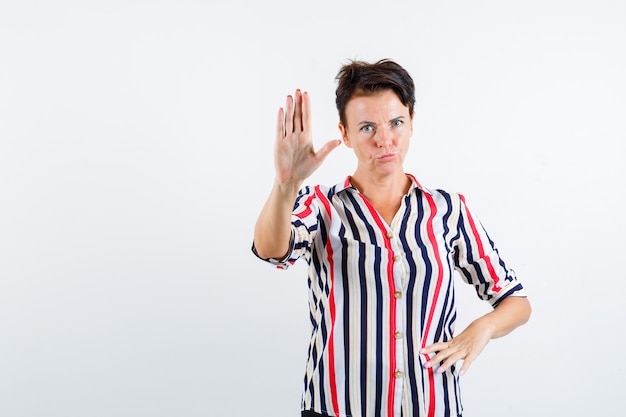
<point x="389" y="169"/>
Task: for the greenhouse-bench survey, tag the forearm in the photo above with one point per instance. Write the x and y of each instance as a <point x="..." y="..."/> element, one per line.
<point x="294" y="160"/>
<point x="272" y="232"/>
<point x="511" y="313"/>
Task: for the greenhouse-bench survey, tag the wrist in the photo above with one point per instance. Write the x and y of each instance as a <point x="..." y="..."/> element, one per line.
<point x="287" y="188"/>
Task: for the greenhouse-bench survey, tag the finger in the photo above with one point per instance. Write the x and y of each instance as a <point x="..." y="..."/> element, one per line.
<point x="443" y="351"/>
<point x="438" y="359"/>
<point x="328" y="147"/>
<point x="297" y="116"/>
<point x="435" y="347"/>
<point x="465" y="367"/>
<point x="449" y="363"/>
<point x="280" y="124"/>
<point x="467" y="361"/>
<point x="306" y="111"/>
<point x="289" y="115"/>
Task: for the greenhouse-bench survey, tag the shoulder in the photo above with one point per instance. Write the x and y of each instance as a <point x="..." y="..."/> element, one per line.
<point x="439" y="202"/>
<point x="312" y="198"/>
<point x="432" y="193"/>
<point x="318" y="190"/>
<point x="441" y="196"/>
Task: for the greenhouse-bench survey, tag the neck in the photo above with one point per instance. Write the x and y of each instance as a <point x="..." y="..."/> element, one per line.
<point x="388" y="187"/>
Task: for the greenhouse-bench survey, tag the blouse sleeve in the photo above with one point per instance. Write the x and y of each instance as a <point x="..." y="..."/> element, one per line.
<point x="303" y="229"/>
<point x="479" y="263"/>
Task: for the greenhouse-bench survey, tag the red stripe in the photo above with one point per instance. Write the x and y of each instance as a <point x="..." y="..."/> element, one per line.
<point x="481" y="250"/>
<point x="433" y="241"/>
<point x="392" y="305"/>
<point x="333" y="313"/>
<point x="307" y="205"/>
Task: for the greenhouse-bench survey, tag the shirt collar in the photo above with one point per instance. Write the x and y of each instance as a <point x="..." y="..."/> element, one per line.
<point x="414" y="184"/>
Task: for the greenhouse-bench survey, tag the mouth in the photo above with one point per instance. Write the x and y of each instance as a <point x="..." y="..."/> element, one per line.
<point x="386" y="157"/>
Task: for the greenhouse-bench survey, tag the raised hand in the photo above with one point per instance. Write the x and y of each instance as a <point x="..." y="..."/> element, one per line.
<point x="295" y="158"/>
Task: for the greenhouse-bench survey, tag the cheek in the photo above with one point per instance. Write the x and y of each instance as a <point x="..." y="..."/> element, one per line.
<point x="403" y="143"/>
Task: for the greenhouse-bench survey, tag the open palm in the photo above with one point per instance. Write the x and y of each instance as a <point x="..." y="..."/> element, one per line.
<point x="295" y="158"/>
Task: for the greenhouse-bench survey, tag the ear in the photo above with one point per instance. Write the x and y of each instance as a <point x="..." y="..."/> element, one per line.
<point x="344" y="135"/>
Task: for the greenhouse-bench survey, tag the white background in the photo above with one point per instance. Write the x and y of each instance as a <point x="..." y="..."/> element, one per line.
<point x="136" y="151"/>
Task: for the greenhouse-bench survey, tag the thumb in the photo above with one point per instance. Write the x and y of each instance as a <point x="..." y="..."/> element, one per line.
<point x="328" y="147"/>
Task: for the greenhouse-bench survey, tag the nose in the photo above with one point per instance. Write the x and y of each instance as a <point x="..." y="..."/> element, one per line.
<point x="383" y="138"/>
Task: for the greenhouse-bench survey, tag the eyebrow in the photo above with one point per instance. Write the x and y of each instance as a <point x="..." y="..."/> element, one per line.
<point x="365" y="122"/>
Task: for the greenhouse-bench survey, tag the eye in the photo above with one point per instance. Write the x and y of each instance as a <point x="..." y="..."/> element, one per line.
<point x="397" y="123"/>
<point x="367" y="129"/>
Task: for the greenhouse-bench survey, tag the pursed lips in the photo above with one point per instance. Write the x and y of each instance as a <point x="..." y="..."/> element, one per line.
<point x="386" y="156"/>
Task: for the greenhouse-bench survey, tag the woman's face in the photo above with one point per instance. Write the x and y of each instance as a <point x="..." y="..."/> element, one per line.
<point x="378" y="129"/>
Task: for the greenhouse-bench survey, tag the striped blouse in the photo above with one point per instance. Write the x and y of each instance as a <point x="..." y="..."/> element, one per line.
<point x="380" y="292"/>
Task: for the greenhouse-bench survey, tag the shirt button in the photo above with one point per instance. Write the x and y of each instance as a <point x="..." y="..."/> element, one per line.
<point x="398" y="335"/>
<point x="396" y="258"/>
<point x="398" y="374"/>
<point x="389" y="235"/>
<point x="397" y="294"/>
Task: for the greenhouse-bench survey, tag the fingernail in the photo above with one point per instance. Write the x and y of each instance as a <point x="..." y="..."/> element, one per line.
<point x="461" y="372"/>
<point x="428" y="365"/>
<point x="422" y="350"/>
<point x="441" y="370"/>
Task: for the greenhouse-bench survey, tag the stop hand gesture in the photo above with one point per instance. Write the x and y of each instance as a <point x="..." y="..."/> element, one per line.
<point x="295" y="158"/>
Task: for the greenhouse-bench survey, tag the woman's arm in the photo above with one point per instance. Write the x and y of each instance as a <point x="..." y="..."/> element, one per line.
<point x="294" y="160"/>
<point x="511" y="313"/>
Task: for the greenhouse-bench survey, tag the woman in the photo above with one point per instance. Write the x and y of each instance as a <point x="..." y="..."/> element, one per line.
<point x="382" y="251"/>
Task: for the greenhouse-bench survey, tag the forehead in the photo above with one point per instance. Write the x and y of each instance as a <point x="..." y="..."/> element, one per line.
<point x="385" y="103"/>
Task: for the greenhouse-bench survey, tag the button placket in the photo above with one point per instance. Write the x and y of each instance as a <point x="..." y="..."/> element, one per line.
<point x="400" y="280"/>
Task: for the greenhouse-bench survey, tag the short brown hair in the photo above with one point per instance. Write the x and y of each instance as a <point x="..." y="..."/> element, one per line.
<point x="358" y="78"/>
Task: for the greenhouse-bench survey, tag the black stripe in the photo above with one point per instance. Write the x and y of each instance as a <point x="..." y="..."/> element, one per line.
<point x="379" y="329"/>
<point x="364" y="329"/>
<point x="346" y="325"/>
<point x="364" y="219"/>
<point x="410" y="317"/>
<point x="428" y="268"/>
